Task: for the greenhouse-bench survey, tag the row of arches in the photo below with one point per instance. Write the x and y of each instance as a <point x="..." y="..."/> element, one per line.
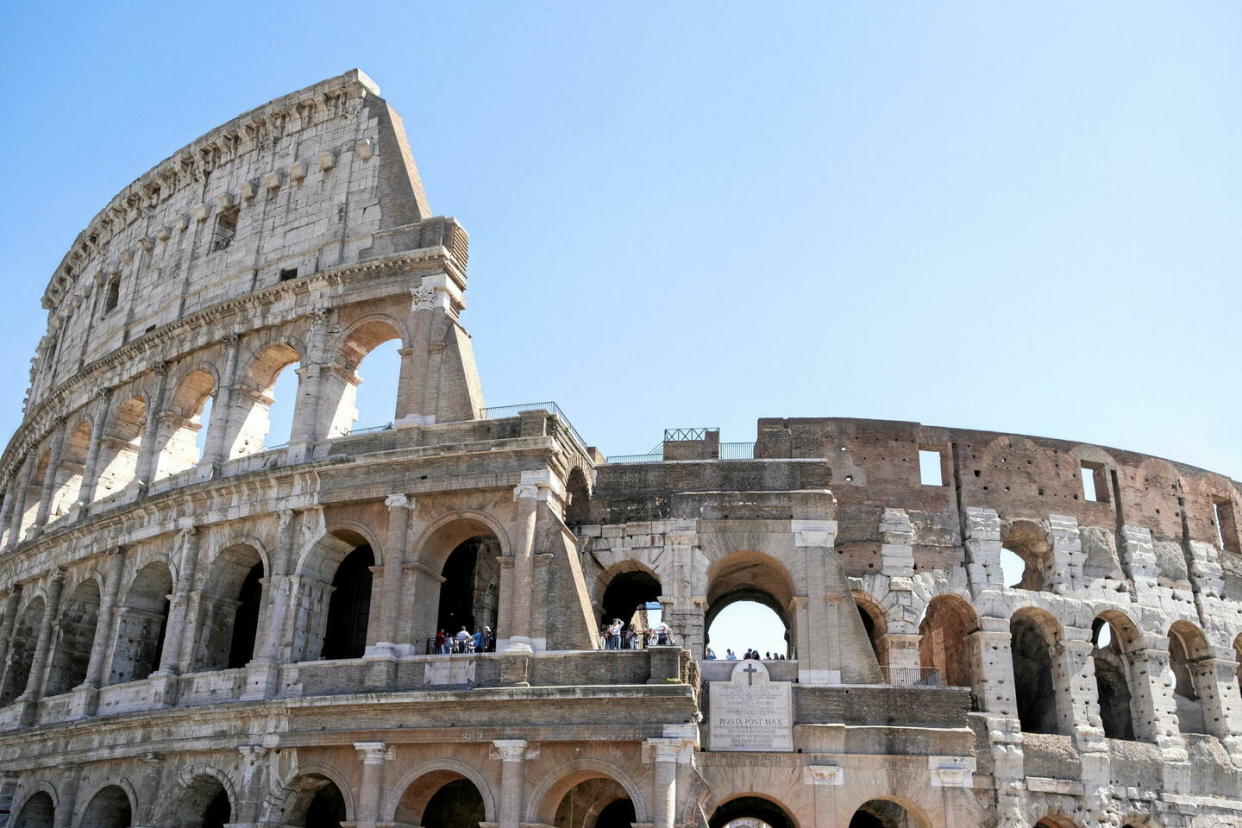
<point x="228" y="615"/>
<point x="208" y="414"/>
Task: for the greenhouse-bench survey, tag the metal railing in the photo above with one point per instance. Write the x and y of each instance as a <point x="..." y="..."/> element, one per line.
<point x="656" y="455"/>
<point x="370" y="429"/>
<point x="680" y="435"/>
<point x="737" y="451"/>
<point x="911" y="676"/>
<point x="499" y="412"/>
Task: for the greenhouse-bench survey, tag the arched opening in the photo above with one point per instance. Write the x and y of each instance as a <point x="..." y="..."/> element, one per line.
<point x="1056" y="822"/>
<point x="884" y="813"/>
<point x="470" y="592"/>
<point x="79" y="617"/>
<point x="350" y="605"/>
<point x="21" y="650"/>
<point x="204" y="804"/>
<point x="757" y="808"/>
<point x="626" y="598"/>
<point x="1033" y="637"/>
<point x="1029" y="542"/>
<point x="598" y="802"/>
<point x="368" y="394"/>
<point x="1112" y="636"/>
<point x="943" y="634"/>
<point x="183" y="423"/>
<point x="762" y="588"/>
<point x="264" y="406"/>
<point x="1187" y="650"/>
<point x="442" y="798"/>
<point x="68" y="484"/>
<point x="578" y="511"/>
<point x="142" y="622"/>
<point x="37" y="812"/>
<point x="109" y="808"/>
<point x="120" y="447"/>
<point x="230" y="607"/>
<point x="34" y="492"/>
<point x="314" y="801"/>
<point x="875" y="625"/>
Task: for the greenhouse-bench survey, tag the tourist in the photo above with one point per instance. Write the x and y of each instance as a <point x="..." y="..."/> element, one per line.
<point x="476" y="642"/>
<point x="730" y="655"/>
<point x="489" y="640"/>
<point x="711" y="656"/>
<point x="664" y="634"/>
<point x="631" y="638"/>
<point x="442" y="642"/>
<point x="614" y="634"/>
<point x="767" y="656"/>
<point x="460" y="641"/>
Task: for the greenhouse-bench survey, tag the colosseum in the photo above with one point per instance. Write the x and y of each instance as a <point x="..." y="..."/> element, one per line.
<point x="205" y="623"/>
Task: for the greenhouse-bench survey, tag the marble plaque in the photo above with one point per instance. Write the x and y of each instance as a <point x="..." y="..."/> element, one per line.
<point x="749" y="712"/>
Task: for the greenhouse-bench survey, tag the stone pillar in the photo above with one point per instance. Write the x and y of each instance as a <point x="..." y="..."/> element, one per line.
<point x="374" y="755"/>
<point x="1155" y="691"/>
<point x="6" y="511"/>
<point x="278" y="588"/>
<point x="684" y="607"/>
<point x="215" y="448"/>
<point x="828" y="623"/>
<point x="1067" y="554"/>
<point x="1073" y="673"/>
<point x="309" y="402"/>
<point x="983" y="548"/>
<point x="90" y="470"/>
<point x="48" y="487"/>
<point x="399" y="508"/>
<point x="38" y="665"/>
<point x="149" y="448"/>
<point x="1222" y="710"/>
<point x="991" y="667"/>
<point x="67" y="801"/>
<point x="86" y="694"/>
<point x="8" y="620"/>
<point x="517" y="639"/>
<point x="19" y="503"/>
<point x="174" y="658"/>
<point x="249" y="806"/>
<point x="1138" y="560"/>
<point x="512" y="754"/>
<point x="662" y="754"/>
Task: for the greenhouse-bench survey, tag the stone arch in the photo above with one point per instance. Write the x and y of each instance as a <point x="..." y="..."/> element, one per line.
<point x="230" y="607"/>
<point x="34" y="491"/>
<point x="448" y="765"/>
<point x="207" y="799"/>
<point x="1034" y="641"/>
<point x="1188" y="650"/>
<point x="1114" y="639"/>
<point x="182" y="420"/>
<point x="22" y="648"/>
<point x="546" y="796"/>
<point x="755" y="806"/>
<point x="752" y="576"/>
<point x="427" y="791"/>
<point x="298" y="794"/>
<point x="888" y="812"/>
<point x="626" y="589"/>
<point x="251" y="404"/>
<point x="111" y="806"/>
<point x="334" y="595"/>
<point x="120" y="446"/>
<point x="68" y="483"/>
<point x="1056" y="821"/>
<point x="875" y="624"/>
<point x="944" y="633"/>
<point x="578" y="498"/>
<point x="464" y="551"/>
<point x="142" y="617"/>
<point x="42" y="795"/>
<point x="339" y="390"/>
<point x="79" y="623"/>
<point x="1033" y="546"/>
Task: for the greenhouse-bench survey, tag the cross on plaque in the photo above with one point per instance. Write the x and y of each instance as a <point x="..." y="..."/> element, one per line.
<point x="750" y="671"/>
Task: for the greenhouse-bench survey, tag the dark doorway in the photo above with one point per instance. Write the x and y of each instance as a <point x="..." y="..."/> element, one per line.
<point x="751" y="807"/>
<point x="246" y="618"/>
<point x="470" y="594"/>
<point x="217" y="814"/>
<point x="326" y="809"/>
<point x="627" y="593"/>
<point x="350" y="606"/>
<point x="618" y="814"/>
<point x="456" y="805"/>
<point x="1032" y="674"/>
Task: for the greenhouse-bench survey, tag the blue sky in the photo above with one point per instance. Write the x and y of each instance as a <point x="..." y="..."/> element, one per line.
<point x="1011" y="216"/>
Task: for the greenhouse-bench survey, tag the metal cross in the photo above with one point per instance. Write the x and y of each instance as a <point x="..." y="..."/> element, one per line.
<point x="750" y="671"/>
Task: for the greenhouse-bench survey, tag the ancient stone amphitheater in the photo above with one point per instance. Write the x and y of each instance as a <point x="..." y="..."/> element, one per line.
<point x="203" y="623"/>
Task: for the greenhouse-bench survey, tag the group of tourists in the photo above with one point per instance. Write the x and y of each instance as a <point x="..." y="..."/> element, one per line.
<point x="617" y="635"/>
<point x="752" y="655"/>
<point x="464" y="641"/>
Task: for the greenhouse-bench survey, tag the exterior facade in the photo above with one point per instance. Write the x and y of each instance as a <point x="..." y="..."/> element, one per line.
<point x="200" y="626"/>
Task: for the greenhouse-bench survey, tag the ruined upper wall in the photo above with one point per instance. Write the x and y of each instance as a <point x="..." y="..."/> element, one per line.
<point x="306" y="182"/>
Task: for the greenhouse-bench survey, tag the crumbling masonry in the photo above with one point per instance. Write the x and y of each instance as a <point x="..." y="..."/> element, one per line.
<point x="203" y="623"/>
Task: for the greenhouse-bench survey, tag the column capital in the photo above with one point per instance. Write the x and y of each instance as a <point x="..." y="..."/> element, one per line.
<point x="666" y="749"/>
<point x="399" y="501"/>
<point x="373" y="753"/>
<point x="513" y="750"/>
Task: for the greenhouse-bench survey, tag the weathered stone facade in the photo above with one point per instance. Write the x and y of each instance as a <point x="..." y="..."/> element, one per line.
<point x="244" y="633"/>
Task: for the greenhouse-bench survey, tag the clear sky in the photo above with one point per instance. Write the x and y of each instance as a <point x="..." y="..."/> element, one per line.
<point x="1012" y="216"/>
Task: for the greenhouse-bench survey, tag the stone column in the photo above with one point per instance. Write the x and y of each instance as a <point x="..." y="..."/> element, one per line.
<point x="215" y="448"/>
<point x="68" y="800"/>
<point x="174" y="657"/>
<point x="8" y="620"/>
<point x="1067" y="554"/>
<point x="991" y="667"/>
<point x="399" y="508"/>
<point x="49" y="477"/>
<point x="512" y="754"/>
<point x="374" y="755"/>
<point x="983" y="548"/>
<point x="306" y="409"/>
<point x="19" y="503"/>
<point x="90" y="470"/>
<point x="663" y="755"/>
<point x="1154" y="691"/>
<point x="1218" y="678"/>
<point x="683" y="603"/>
<point x="517" y="639"/>
<point x="261" y="672"/>
<point x="248" y="809"/>
<point x="1073" y="672"/>
<point x="148" y="449"/>
<point x="86" y="694"/>
<point x="6" y="511"/>
<point x="38" y="665"/>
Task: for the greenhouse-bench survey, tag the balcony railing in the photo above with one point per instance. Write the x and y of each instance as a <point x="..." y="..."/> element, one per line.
<point x="898" y="676"/>
<point x="498" y="412"/>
